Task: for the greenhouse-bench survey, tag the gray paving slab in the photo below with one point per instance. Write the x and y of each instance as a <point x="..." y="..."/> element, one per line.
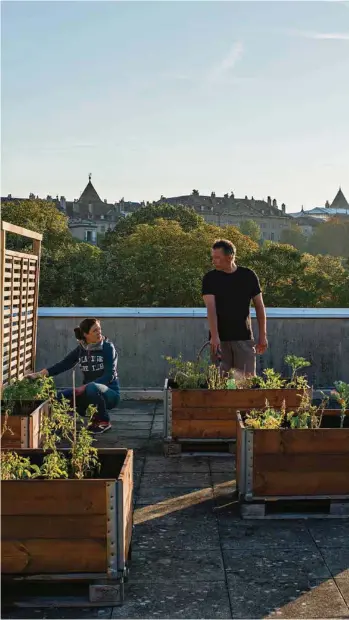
<point x="295" y="599"/>
<point x="173" y="494"/>
<point x="343" y="586"/>
<point x="251" y="535"/>
<point x="264" y="565"/>
<point x="330" y="532"/>
<point x="126" y="432"/>
<point x="222" y="464"/>
<point x="176" y="465"/>
<point x="176" y="565"/>
<point x="189" y="600"/>
<point x="337" y="561"/>
<point x="136" y="406"/>
<point x="128" y="417"/>
<point x="196" y="530"/>
<point x="181" y="480"/>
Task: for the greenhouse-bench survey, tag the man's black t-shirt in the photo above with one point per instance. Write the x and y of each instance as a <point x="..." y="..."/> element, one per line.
<point x="233" y="294"/>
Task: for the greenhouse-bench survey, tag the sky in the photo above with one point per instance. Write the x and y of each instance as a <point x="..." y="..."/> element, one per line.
<point x="160" y="98"/>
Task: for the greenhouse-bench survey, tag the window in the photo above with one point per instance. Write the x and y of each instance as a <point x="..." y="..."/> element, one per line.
<point x="88" y="236"/>
<point x="272" y="236"/>
<point x="102" y="229"/>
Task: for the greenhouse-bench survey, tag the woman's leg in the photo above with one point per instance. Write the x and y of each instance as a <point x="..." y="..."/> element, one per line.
<point x="102" y="397"/>
<point x="81" y="404"/>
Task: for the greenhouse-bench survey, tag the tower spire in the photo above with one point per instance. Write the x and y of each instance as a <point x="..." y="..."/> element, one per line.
<point x="89" y="177"/>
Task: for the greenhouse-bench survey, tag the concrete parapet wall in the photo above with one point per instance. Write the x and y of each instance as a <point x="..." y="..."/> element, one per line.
<point x="143" y="336"/>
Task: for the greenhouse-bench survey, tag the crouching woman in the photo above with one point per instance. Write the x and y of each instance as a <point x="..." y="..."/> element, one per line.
<point x="98" y="359"/>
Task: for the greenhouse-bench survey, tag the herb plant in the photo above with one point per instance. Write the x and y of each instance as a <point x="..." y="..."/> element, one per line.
<point x="341" y="394"/>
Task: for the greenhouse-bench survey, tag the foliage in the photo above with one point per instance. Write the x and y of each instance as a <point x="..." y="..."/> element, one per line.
<point x="27" y="389"/>
<point x="16" y="467"/>
<point x="331" y="237"/>
<point x="198" y="374"/>
<point x="251" y="229"/>
<point x="202" y="374"/>
<point x="61" y="424"/>
<point x="341" y="394"/>
<point x="186" y="218"/>
<point x="295" y="237"/>
<point x="305" y="416"/>
<point x="158" y="255"/>
<point x="73" y="278"/>
<point x="163" y="265"/>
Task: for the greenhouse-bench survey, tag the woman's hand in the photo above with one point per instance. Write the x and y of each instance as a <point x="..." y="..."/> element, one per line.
<point x="36" y="375"/>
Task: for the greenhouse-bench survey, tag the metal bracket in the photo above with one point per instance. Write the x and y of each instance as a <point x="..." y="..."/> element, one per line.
<point x="168" y="430"/>
<point x="121" y="560"/>
<point x="112" y="568"/>
<point x="249" y="464"/>
<point x="25" y="432"/>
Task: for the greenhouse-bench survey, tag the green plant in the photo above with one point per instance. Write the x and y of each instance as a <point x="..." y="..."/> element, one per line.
<point x="65" y="425"/>
<point x="15" y="467"/>
<point x="341" y="394"/>
<point x="199" y="374"/>
<point x="27" y="389"/>
<point x="296" y="364"/>
<point x="306" y="415"/>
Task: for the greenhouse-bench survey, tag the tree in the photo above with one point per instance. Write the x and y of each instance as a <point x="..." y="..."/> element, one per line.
<point x="163" y="264"/>
<point x="326" y="281"/>
<point x="280" y="271"/>
<point x="331" y="237"/>
<point x="251" y="229"/>
<point x="294" y="236"/>
<point x="186" y="217"/>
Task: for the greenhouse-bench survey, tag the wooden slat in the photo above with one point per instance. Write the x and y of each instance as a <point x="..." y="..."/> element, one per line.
<point x="20" y="255"/>
<point x="204" y="429"/>
<point x="304" y="483"/>
<point x="204" y="413"/>
<point x="301" y="441"/>
<point x="18" y="230"/>
<point x="39" y="555"/>
<point x="302" y="463"/>
<point x="53" y="497"/>
<point x="240" y="399"/>
<point x="77" y="526"/>
<point x="126" y="479"/>
<point x="37" y="250"/>
<point x="11" y="439"/>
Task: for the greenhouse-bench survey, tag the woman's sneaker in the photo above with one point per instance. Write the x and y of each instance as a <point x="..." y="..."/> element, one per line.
<point x="97" y="428"/>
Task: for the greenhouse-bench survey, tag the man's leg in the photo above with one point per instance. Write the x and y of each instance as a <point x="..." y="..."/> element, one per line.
<point x="245" y="356"/>
<point x="227" y="356"/>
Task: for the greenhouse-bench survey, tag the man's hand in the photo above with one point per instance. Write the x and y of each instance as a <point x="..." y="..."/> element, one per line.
<point x="215" y="345"/>
<point x="80" y="390"/>
<point x="262" y="345"/>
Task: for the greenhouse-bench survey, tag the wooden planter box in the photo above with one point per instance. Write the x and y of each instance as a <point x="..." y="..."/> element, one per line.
<point x="24" y="424"/>
<point x="66" y="527"/>
<point x="211" y="414"/>
<point x="292" y="463"/>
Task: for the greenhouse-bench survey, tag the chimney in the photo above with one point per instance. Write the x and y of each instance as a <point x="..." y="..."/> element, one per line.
<point x="269" y="201"/>
<point x="48" y="197"/>
<point x="327" y="204"/>
<point x="9" y="196"/>
<point x="283" y="208"/>
<point x="63" y="203"/>
<point x="275" y="204"/>
<point x="105" y="201"/>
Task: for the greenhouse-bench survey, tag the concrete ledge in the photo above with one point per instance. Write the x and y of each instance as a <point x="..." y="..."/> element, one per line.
<point x="147" y="394"/>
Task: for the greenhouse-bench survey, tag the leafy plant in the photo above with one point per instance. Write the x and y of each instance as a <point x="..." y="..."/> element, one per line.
<point x="27" y="389"/>
<point x="15" y="467"/>
<point x="306" y="415"/>
<point x="62" y="424"/>
<point x="341" y="394"/>
<point x="296" y="364"/>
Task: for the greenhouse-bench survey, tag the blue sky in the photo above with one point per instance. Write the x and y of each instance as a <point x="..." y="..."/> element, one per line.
<point x="163" y="97"/>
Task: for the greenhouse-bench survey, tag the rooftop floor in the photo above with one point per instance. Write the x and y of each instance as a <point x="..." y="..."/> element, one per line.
<point x="193" y="557"/>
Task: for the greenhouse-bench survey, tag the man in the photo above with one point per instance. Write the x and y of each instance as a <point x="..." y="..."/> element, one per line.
<point x="228" y="291"/>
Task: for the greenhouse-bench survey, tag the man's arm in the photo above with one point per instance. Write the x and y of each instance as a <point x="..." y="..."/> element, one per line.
<point x="262" y="323"/>
<point x="210" y="304"/>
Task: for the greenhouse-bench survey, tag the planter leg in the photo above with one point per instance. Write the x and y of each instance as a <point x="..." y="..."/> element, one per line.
<point x="112" y="593"/>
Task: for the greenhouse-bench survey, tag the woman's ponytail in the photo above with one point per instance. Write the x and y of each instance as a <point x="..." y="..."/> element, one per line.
<point x="78" y="333"/>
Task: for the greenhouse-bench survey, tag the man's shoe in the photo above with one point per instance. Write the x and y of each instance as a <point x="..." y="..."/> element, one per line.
<point x="99" y="427"/>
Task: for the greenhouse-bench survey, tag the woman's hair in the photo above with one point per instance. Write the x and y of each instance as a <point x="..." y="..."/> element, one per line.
<point x="84" y="328"/>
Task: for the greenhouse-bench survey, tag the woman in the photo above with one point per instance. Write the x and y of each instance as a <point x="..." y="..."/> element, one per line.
<point x="98" y="360"/>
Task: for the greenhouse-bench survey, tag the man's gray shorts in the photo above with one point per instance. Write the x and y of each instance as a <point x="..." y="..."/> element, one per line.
<point x="239" y="354"/>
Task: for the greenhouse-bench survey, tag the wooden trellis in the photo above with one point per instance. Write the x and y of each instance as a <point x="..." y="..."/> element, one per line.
<point x="19" y="304"/>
